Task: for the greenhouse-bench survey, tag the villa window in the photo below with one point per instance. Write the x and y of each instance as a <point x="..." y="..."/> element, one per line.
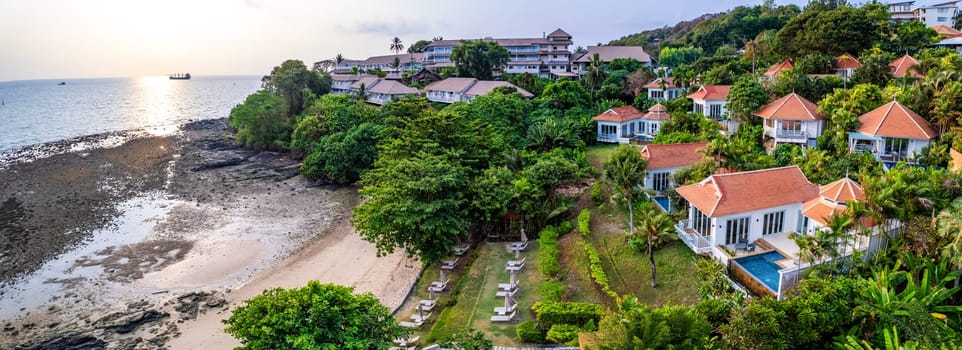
<point x="631" y="128"/>
<point x="942" y="19"/>
<point x="657" y="94"/>
<point x="608" y="129"/>
<point x="700" y="109"/>
<point x="773" y="223"/>
<point x="736" y="229"/>
<point x="642" y="127"/>
<point x="654" y="128"/>
<point x="659" y="181"/>
<point x="896" y="146"/>
<point x="699" y="222"/>
<point x="770" y="123"/>
<point x="802" y="223"/>
<point x="715" y="111"/>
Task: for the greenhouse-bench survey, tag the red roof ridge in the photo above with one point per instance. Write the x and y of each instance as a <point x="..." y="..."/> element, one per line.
<point x="914" y="122"/>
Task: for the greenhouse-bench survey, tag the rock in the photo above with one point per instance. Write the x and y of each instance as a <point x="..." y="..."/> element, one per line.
<point x="67" y="341"/>
<point x="121" y="323"/>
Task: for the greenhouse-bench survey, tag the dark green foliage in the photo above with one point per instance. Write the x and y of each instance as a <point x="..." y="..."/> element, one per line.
<point x="565" y="227"/>
<point x="343" y="156"/>
<point x="467" y="339"/>
<point x="815" y="63"/>
<point x="478" y="58"/>
<point x="915" y="35"/>
<point x="418" y="46"/>
<point x="597" y="193"/>
<point x="529" y="82"/>
<point x="529" y="332"/>
<point x="674" y="57"/>
<point x="296" y="84"/>
<point x="744" y="98"/>
<point x="318" y="316"/>
<point x="563" y="334"/>
<point x="551" y="291"/>
<point x="811" y="88"/>
<point x="261" y="121"/>
<point x="548" y="253"/>
<point x="584" y="222"/>
<point x="875" y="69"/>
<point x="573" y="313"/>
<point x="637" y="325"/>
<point x="833" y="31"/>
<point x="564" y="94"/>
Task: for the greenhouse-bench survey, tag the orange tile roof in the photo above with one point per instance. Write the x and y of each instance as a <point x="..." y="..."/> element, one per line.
<point x="846" y="61"/>
<point x="619" y="114"/>
<point x="832" y="200"/>
<point x="657" y="112"/>
<point x="790" y="107"/>
<point x="903" y="66"/>
<point x="842" y="190"/>
<point x="946" y="31"/>
<point x="711" y="92"/>
<point x="656" y="84"/>
<point x="778" y="68"/>
<point x="673" y="155"/>
<point x="895" y="120"/>
<point x="741" y="192"/>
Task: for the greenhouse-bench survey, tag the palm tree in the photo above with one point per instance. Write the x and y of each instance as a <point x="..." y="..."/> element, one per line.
<point x="362" y="92"/>
<point x="396" y="45"/>
<point x="338" y="59"/>
<point x="655" y="225"/>
<point x="624" y="170"/>
<point x="437" y="38"/>
<point x="950" y="226"/>
<point x="396" y="64"/>
<point x="595" y="73"/>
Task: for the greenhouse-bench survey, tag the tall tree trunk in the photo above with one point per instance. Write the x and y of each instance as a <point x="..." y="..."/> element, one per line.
<point x="651" y="261"/>
<point x="631" y="220"/>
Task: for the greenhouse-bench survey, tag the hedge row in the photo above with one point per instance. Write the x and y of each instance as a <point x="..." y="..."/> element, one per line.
<point x="548" y="253"/>
<point x="574" y="313"/>
<point x="584" y="222"/>
<point x="597" y="272"/>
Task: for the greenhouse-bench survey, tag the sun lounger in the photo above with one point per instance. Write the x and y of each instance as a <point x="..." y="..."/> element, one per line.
<point x="501" y="310"/>
<point x="517" y="262"/>
<point x="515" y="267"/>
<point x="425" y="308"/>
<point x="447" y="266"/>
<point x="440" y="284"/>
<point x="507" y="286"/>
<point x="435" y="289"/>
<point x="504" y="318"/>
<point x="407" y="324"/>
<point x="418" y="319"/>
<point x="519" y="245"/>
<point x="428" y="302"/>
<point x="406" y="341"/>
<point x="503" y="293"/>
<point x="451" y="261"/>
<point x="460" y="250"/>
<point x="403" y="348"/>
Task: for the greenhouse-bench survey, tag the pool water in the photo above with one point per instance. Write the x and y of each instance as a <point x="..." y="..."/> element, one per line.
<point x="663" y="202"/>
<point x="763" y="267"/>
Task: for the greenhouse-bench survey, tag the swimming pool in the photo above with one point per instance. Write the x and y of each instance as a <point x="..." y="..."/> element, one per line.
<point x="763" y="268"/>
<point x="663" y="202"/>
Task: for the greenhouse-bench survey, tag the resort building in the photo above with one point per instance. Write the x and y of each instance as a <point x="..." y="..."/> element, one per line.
<point x="387" y="90"/>
<point x="892" y="133"/>
<point x="341" y="83"/>
<point x="409" y="61"/>
<point x="951" y="43"/>
<point x="710" y="101"/>
<point x="774" y="71"/>
<point x="901" y="12"/>
<point x="546" y="56"/>
<point x="749" y="220"/>
<point x="903" y="67"/>
<point x="650" y="123"/>
<point x="934" y="14"/>
<point x="363" y="84"/>
<point x="792" y="119"/>
<point x="453" y="90"/>
<point x="665" y="160"/>
<point x="610" y="53"/>
<point x="845" y="66"/>
<point x="947" y="31"/>
<point x="664" y="89"/>
<point x="619" y="124"/>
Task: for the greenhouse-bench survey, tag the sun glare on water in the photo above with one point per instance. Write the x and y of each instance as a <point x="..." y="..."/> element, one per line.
<point x="157" y="100"/>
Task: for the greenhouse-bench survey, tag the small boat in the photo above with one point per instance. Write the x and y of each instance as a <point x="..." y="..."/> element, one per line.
<point x="185" y="76"/>
<point x="62" y="83"/>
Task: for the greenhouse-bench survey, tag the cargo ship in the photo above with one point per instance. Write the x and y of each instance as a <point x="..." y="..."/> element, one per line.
<point x="185" y="76"/>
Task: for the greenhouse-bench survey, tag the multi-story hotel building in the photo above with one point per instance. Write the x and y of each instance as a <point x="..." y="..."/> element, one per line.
<point x="546" y="56"/>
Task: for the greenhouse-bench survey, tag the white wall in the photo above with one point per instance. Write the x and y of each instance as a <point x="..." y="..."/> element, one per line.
<point x="755" y="223"/>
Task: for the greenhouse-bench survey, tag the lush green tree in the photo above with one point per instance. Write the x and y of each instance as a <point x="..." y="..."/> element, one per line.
<point x="654" y="226"/>
<point x="479" y="58"/>
<point x="624" y="170"/>
<point x="832" y="31"/>
<point x="595" y="73"/>
<point x="674" y="57"/>
<point x="744" y="98"/>
<point x="638" y="326"/>
<point x="261" y="121"/>
<point x="564" y="94"/>
<point x="815" y="63"/>
<point x="913" y="36"/>
<point x="295" y="84"/>
<point x="875" y="69"/>
<point x="419" y="46"/>
<point x="318" y="316"/>
<point x="343" y="156"/>
<point x="467" y="339"/>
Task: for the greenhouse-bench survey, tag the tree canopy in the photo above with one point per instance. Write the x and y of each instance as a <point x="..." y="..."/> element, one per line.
<point x="479" y="58"/>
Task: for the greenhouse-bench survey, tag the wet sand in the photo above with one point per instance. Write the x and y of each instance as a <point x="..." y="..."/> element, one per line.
<point x="124" y="247"/>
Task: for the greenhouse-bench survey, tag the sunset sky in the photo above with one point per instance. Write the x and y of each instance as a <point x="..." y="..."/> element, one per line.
<point x="61" y="39"/>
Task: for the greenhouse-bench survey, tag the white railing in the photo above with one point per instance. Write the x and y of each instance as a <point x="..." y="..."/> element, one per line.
<point x="698" y="243"/>
<point x="790" y="134"/>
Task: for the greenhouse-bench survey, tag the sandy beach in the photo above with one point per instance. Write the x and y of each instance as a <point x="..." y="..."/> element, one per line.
<point x="164" y="234"/>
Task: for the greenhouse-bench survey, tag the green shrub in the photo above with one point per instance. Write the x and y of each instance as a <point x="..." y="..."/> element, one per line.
<point x="584" y="222"/>
<point x="597" y="272"/>
<point x="563" y="334"/>
<point x="551" y="291"/>
<point x="564" y="227"/>
<point x="597" y="194"/>
<point x="548" y="245"/>
<point x="529" y="332"/>
<point x="551" y="313"/>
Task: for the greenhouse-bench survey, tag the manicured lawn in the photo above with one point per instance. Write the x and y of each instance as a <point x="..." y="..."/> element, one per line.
<point x="476" y="300"/>
<point x="629" y="272"/>
<point x="598" y="154"/>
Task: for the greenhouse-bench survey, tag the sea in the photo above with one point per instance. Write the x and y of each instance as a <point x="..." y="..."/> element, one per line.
<point x="34" y="112"/>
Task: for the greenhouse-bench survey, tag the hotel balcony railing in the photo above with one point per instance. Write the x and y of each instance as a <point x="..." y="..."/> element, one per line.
<point x="790" y="134"/>
<point x="694" y="240"/>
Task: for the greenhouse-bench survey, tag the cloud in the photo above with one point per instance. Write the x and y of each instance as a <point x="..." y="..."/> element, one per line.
<point x="252" y="4"/>
<point x="385" y="27"/>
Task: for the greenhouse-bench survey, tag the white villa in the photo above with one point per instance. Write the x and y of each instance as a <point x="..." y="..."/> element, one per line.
<point x="892" y="133"/>
<point x="902" y="67"/>
<point x="545" y="56"/>
<point x="387" y="90"/>
<point x="341" y="83"/>
<point x="710" y="101"/>
<point x="792" y="119"/>
<point x="619" y="124"/>
<point x="932" y="14"/>
<point x="748" y="221"/>
<point x="609" y="53"/>
<point x="846" y="65"/>
<point x="664" y="89"/>
<point x="453" y="90"/>
<point x="775" y="70"/>
<point x="665" y="160"/>
<point x="409" y="61"/>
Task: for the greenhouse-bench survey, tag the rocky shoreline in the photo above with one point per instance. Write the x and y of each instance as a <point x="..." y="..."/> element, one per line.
<point x="116" y="247"/>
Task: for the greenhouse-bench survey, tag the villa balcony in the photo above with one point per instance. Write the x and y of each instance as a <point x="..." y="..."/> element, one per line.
<point x="694" y="240"/>
<point x="791" y="134"/>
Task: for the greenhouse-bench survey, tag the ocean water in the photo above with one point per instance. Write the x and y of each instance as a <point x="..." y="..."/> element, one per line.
<point x="40" y="111"/>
